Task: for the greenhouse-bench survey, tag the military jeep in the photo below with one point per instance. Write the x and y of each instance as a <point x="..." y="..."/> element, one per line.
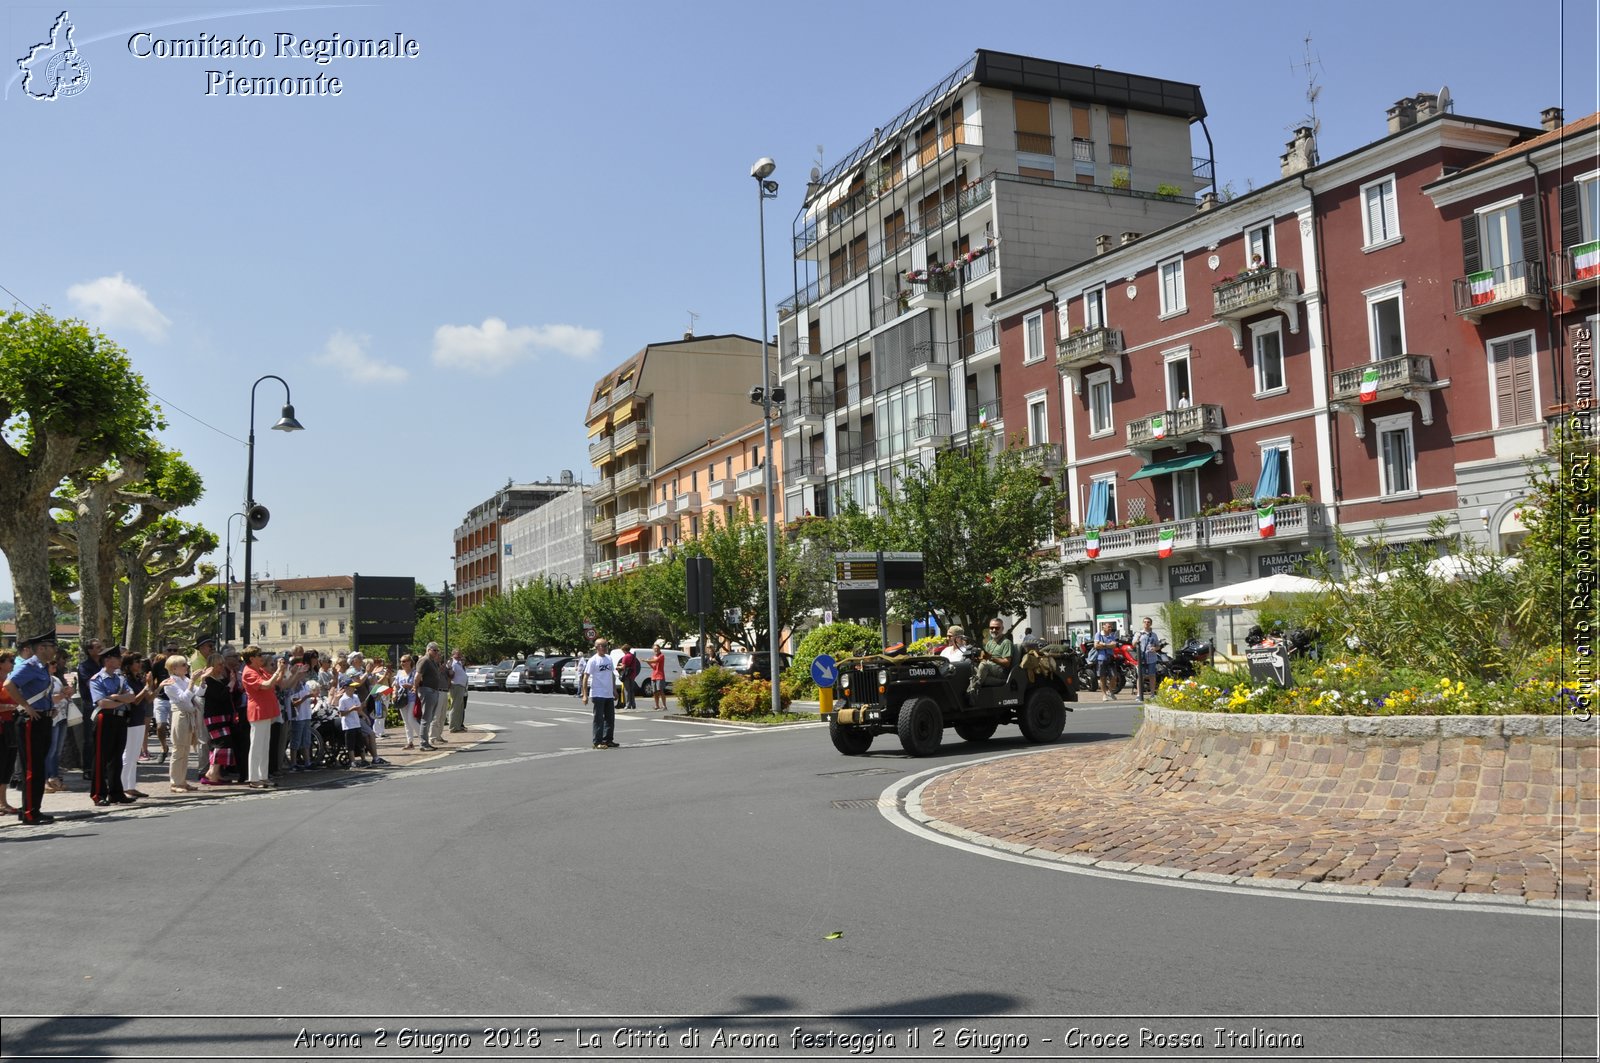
<point x="918" y="697"/>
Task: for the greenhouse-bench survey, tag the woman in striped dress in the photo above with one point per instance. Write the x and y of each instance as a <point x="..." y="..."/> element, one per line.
<point x="216" y="701"/>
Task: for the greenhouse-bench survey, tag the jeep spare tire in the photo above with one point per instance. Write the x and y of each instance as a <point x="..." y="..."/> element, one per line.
<point x="921" y="726"/>
<point x="849" y="740"/>
<point x="1043" y="716"/>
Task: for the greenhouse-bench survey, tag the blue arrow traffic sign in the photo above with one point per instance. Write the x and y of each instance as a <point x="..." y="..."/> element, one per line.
<point x="824" y="670"/>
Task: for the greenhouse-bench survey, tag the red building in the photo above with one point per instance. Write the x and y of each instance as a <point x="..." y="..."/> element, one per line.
<point x="1366" y="343"/>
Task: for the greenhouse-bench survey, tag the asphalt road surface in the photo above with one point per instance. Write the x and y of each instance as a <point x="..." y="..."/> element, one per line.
<point x="711" y="880"/>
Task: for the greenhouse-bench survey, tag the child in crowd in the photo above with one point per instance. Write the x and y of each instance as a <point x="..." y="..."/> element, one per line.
<point x="303" y="701"/>
<point x="350" y="719"/>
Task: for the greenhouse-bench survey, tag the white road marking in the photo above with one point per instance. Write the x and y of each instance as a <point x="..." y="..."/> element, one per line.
<point x="572" y="719"/>
<point x="487" y="727"/>
<point x="536" y="723"/>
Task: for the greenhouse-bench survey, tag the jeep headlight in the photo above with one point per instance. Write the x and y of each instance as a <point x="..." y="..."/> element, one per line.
<point x="844" y="682"/>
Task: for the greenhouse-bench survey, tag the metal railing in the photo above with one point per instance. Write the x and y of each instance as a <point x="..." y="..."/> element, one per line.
<point x="859" y="454"/>
<point x="801" y="468"/>
<point x="1203" y="170"/>
<point x="1036" y="143"/>
<point x="934" y="426"/>
<point x="971" y="196"/>
<point x="1082" y="150"/>
<point x="816" y="404"/>
<point x="1121" y="155"/>
<point x="1491" y="288"/>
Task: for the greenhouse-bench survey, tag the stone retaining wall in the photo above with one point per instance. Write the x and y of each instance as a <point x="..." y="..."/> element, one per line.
<point x="1540" y="770"/>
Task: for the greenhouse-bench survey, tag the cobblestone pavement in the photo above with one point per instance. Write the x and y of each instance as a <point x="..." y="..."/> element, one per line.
<point x="1069" y="801"/>
<point x="153" y="781"/>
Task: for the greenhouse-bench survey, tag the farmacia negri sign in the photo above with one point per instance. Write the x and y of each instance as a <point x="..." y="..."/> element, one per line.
<point x="320" y="51"/>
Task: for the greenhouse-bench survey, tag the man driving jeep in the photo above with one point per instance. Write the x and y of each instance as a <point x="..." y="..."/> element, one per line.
<point x="995" y="660"/>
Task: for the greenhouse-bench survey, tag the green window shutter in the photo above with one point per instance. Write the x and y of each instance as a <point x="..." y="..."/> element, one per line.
<point x="1469" y="244"/>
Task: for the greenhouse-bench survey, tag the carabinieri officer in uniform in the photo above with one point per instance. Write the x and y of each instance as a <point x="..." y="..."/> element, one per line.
<point x="111" y="697"/>
<point x="29" y="686"/>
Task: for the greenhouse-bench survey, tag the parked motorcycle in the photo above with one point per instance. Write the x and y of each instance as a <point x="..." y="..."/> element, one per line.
<point x="1189" y="657"/>
<point x="1125" y="666"/>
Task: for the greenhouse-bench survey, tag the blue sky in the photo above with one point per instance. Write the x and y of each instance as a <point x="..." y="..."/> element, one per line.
<point x="443" y="258"/>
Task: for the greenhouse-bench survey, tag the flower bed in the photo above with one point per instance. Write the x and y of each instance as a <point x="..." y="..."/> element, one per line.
<point x="1360" y="686"/>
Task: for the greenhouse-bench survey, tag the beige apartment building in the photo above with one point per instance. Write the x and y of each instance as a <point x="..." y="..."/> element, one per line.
<point x="710" y="482"/>
<point x="316" y="612"/>
<point x="660" y="405"/>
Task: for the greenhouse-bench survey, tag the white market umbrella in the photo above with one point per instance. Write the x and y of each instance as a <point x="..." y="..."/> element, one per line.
<point x="1255" y="591"/>
<point x="1451" y="567"/>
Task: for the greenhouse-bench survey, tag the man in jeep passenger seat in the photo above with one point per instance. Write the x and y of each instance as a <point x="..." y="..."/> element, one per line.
<point x="995" y="661"/>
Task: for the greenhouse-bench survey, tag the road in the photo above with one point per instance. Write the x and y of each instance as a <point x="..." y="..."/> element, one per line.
<point x="703" y="871"/>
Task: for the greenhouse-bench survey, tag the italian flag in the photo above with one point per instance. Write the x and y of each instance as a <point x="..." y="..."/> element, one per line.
<point x="1586" y="260"/>
<point x="1267" y="522"/>
<point x="1091" y="543"/>
<point x="1158" y="426"/>
<point x="1482" y="287"/>
<point x="1168" y="537"/>
<point x="1369" y="385"/>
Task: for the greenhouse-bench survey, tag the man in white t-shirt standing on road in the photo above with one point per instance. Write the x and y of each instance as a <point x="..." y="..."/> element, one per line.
<point x="458" y="692"/>
<point x="598" y="683"/>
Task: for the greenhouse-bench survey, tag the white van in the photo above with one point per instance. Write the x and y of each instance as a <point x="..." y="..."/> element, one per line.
<point x="673" y="670"/>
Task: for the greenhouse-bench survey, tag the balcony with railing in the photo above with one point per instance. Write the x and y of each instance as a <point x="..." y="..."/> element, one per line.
<point x="974" y="195"/>
<point x="688" y="502"/>
<point x="800" y="299"/>
<point x="928" y="358"/>
<point x="602" y="570"/>
<point x="858" y="451"/>
<point x="1256" y="292"/>
<point x="629" y="519"/>
<point x="971" y="278"/>
<point x="629" y="435"/>
<point x="1492" y="290"/>
<point x="603" y="489"/>
<point x="630" y="561"/>
<point x="660" y="553"/>
<point x="622" y="391"/>
<point x="984" y="413"/>
<point x="659" y="513"/>
<point x="1121" y="155"/>
<point x="933" y="428"/>
<point x="1141" y="541"/>
<point x="1407" y="376"/>
<point x="1046" y="455"/>
<point x="1578" y="269"/>
<point x="1086" y="349"/>
<point x="802" y="471"/>
<point x="752" y="481"/>
<point x="628" y="478"/>
<point x="1203" y="170"/>
<point x="600" y="450"/>
<point x="600" y="405"/>
<point x="800" y="353"/>
<point x="1299" y="520"/>
<point x="1036" y="143"/>
<point x="722" y="491"/>
<point x="811" y="408"/>
<point x="1177" y="428"/>
<point x="603" y="530"/>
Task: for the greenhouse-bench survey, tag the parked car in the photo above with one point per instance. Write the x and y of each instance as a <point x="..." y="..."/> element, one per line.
<point x="676" y="664"/>
<point x="513" y="680"/>
<point x="693" y="665"/>
<point x="480" y="677"/>
<point x="545" y="675"/>
<point x="754" y="665"/>
<point x="569" y="676"/>
<point x="501" y="671"/>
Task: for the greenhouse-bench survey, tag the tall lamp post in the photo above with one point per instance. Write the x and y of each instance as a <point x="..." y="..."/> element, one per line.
<point x="227" y="577"/>
<point x="766" y="190"/>
<point x="445" y="598"/>
<point x="257" y="517"/>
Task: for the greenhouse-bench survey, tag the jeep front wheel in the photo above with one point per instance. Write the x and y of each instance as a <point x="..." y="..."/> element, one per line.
<point x="1043" y="717"/>
<point x="921" y="727"/>
<point x="851" y="741"/>
<point x="976" y="730"/>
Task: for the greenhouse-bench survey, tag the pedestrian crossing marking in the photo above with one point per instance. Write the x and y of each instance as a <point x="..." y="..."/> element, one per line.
<point x="537" y="723"/>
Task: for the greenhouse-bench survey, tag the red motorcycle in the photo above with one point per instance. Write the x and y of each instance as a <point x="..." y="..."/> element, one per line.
<point x="1125" y="665"/>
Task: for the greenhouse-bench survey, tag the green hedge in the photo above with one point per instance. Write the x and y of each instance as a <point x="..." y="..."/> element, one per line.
<point x="838" y="640"/>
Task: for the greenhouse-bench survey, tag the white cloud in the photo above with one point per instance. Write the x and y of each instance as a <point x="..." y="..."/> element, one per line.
<point x="493" y="346"/>
<point x="347" y="353"/>
<point x="117" y="303"/>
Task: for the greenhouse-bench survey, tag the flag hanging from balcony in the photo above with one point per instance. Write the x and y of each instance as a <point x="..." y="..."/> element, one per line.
<point x="1091" y="543"/>
<point x="1267" y="521"/>
<point x="1586" y="261"/>
<point x="1369" y="384"/>
<point x="1482" y="287"/>
<point x="1168" y="537"/>
<point x="1158" y="426"/>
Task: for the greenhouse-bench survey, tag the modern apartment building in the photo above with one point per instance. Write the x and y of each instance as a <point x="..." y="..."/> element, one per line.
<point x="551" y="542"/>
<point x="478" y="545"/>
<point x="660" y="404"/>
<point x="1369" y="343"/>
<point x="311" y="611"/>
<point x="710" y="482"/>
<point x="1003" y="172"/>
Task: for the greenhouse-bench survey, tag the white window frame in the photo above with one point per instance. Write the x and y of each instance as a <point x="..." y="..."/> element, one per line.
<point x="1182" y="304"/>
<point x="1533" y="366"/>
<point x="1589" y="219"/>
<point x="1039" y="400"/>
<point x="1032" y="331"/>
<point x="1371" y="241"/>
<point x="1192" y="478"/>
<point x="1268" y="252"/>
<point x="1513" y="240"/>
<point x="1394" y="423"/>
<point x="1168" y="358"/>
<point x="1094" y="296"/>
<point x="1273" y="326"/>
<point x="1111" y="510"/>
<point x="1092" y="381"/>
<point x="1285" y="444"/>
<point x="1382" y="293"/>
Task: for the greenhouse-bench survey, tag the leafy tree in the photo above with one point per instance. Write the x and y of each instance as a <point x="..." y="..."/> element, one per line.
<point x="1562" y="517"/>
<point x="978" y="516"/>
<point x="69" y="402"/>
<point x="738" y="551"/>
<point x="153" y="562"/>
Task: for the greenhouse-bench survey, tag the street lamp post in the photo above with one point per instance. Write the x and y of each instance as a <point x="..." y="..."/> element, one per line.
<point x="445" y="599"/>
<point x="257" y="518"/>
<point x="227" y="578"/>
<point x="766" y="190"/>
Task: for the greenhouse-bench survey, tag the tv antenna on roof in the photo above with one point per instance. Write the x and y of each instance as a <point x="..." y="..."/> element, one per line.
<point x="693" y="317"/>
<point x="820" y="159"/>
<point x="1312" y="65"/>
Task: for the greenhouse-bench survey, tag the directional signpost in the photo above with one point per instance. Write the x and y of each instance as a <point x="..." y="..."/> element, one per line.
<point x="825" y="672"/>
<point x="864" y="581"/>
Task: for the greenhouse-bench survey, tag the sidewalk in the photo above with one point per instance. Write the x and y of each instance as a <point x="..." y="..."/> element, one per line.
<point x="153" y="780"/>
<point x="1080" y="804"/>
